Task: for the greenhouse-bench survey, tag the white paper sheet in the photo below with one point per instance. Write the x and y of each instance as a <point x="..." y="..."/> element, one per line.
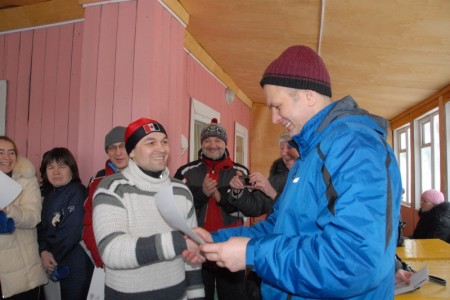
<point x="417" y="280"/>
<point x="168" y="209"/>
<point x="9" y="188"/>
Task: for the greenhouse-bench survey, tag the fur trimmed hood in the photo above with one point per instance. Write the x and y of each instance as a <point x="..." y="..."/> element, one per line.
<point x="23" y="169"/>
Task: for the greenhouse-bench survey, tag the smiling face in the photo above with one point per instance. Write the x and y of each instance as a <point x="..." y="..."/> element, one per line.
<point x="213" y="148"/>
<point x="151" y="152"/>
<point x="58" y="173"/>
<point x="118" y="155"/>
<point x="290" y="108"/>
<point x="288" y="153"/>
<point x="8" y="156"/>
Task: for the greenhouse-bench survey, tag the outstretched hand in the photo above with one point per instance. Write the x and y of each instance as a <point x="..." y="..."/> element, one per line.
<point x="229" y="254"/>
<point x="193" y="253"/>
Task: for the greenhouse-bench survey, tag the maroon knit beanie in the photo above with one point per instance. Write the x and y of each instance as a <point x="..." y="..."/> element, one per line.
<point x="299" y="67"/>
<point x="139" y="129"/>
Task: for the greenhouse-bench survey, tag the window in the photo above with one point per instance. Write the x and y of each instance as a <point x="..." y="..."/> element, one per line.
<point x="201" y="115"/>
<point x="402" y="150"/>
<point x="241" y="144"/>
<point x="428" y="130"/>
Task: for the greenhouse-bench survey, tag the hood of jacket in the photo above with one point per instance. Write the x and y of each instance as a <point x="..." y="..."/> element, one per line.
<point x="344" y="110"/>
<point x="23" y="169"/>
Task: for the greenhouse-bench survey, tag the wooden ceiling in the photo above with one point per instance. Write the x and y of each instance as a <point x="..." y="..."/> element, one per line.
<point x="388" y="54"/>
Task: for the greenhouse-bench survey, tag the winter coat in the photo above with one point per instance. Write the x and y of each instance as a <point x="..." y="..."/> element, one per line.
<point x="332" y="234"/>
<point x="88" y="230"/>
<point x="193" y="174"/>
<point x="62" y="222"/>
<point x="434" y="224"/>
<point x="278" y="175"/>
<point x="20" y="263"/>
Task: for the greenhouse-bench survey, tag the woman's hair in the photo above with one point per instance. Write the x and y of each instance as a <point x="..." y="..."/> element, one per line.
<point x="60" y="155"/>
<point x="5" y="138"/>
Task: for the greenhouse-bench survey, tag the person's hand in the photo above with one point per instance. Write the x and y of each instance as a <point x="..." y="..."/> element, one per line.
<point x="262" y="183"/>
<point x="192" y="253"/>
<point x="403" y="276"/>
<point x="209" y="186"/>
<point x="48" y="261"/>
<point x="236" y="183"/>
<point x="230" y="254"/>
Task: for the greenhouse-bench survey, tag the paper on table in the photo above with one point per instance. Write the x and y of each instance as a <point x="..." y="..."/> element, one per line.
<point x="417" y="280"/>
<point x="10" y="190"/>
<point x="168" y="209"/>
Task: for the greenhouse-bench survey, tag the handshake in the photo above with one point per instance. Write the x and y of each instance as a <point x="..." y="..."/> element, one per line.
<point x="6" y="224"/>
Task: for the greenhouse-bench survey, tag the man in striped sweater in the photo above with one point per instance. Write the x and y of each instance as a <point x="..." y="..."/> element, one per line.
<point x="141" y="252"/>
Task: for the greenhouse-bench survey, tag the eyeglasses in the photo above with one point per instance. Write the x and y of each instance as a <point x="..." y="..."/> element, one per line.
<point x="115" y="147"/>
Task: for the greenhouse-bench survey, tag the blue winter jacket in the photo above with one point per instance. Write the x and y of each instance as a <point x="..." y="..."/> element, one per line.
<point x="332" y="234"/>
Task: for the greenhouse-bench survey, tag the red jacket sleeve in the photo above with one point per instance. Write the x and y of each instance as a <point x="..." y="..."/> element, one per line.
<point x="88" y="231"/>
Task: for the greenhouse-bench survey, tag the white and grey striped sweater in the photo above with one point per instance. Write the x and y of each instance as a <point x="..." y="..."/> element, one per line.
<point x="140" y="250"/>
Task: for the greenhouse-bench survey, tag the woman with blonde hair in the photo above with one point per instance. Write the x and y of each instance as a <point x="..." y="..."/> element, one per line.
<point x="21" y="272"/>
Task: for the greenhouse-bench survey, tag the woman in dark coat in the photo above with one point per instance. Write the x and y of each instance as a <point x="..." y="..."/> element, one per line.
<point x="434" y="213"/>
<point x="59" y="233"/>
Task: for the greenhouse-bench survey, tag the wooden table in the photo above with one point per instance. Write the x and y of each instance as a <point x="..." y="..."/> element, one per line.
<point x="430" y="290"/>
<point x="427" y="249"/>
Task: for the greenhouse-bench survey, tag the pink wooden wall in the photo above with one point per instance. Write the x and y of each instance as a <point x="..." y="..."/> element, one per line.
<point x="42" y="69"/>
<point x="206" y="89"/>
<point x="68" y="85"/>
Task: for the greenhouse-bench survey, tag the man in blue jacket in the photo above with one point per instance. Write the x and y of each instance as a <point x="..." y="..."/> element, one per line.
<point x="333" y="231"/>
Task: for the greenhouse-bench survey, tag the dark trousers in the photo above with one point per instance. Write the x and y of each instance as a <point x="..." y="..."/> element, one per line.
<point x="33" y="294"/>
<point x="230" y="285"/>
<point x="76" y="285"/>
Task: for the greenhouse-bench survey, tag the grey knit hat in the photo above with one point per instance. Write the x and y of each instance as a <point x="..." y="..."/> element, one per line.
<point x="213" y="129"/>
<point x="116" y="135"/>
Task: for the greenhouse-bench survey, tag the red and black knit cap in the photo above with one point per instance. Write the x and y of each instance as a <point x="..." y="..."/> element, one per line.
<point x="213" y="129"/>
<point x="139" y="129"/>
<point x="299" y="67"/>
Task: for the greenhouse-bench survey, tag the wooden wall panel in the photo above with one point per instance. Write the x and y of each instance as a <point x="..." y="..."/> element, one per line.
<point x="126" y="60"/>
<point x="107" y="45"/>
<point x="39" y="69"/>
<point x="88" y="85"/>
<point x="2" y="56"/>
<point x="62" y="90"/>
<point x="123" y="87"/>
<point x="50" y="82"/>
<point x="177" y="104"/>
<point x="265" y="148"/>
<point x="23" y="89"/>
<point x="74" y="102"/>
<point x="34" y="152"/>
<point x="142" y="60"/>
<point x="12" y="64"/>
<point x="204" y="87"/>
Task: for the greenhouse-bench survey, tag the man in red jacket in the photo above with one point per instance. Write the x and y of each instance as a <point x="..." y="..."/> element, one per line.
<point x="118" y="160"/>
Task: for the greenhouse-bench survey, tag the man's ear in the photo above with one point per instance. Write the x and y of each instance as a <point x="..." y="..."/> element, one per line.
<point x="131" y="154"/>
<point x="311" y="97"/>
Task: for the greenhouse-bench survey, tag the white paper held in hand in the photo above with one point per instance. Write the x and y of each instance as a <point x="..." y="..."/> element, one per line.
<point x="417" y="280"/>
<point x="165" y="202"/>
<point x="10" y="190"/>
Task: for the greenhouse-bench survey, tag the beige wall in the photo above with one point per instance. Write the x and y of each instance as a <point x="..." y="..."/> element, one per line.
<point x="263" y="139"/>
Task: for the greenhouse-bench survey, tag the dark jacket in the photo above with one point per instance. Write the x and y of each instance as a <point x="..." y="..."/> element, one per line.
<point x="62" y="221"/>
<point x="193" y="174"/>
<point x="434" y="224"/>
<point x="278" y="175"/>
